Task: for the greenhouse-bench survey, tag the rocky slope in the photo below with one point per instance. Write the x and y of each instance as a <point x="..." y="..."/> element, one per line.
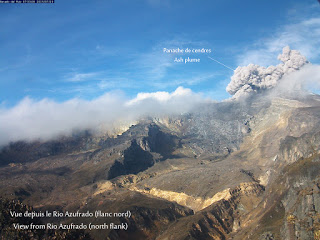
<point x="230" y="170"/>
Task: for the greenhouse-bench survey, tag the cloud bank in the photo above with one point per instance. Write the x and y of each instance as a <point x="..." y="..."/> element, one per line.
<point x="46" y="119"/>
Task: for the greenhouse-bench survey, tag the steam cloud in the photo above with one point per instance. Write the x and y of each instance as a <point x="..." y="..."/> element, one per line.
<point x="47" y="119"/>
<point x="255" y="78"/>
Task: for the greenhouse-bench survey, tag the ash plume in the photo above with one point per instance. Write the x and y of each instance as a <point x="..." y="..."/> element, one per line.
<point x="254" y="78"/>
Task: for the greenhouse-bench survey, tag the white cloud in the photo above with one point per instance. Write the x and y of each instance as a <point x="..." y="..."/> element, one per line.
<point x="303" y="36"/>
<point x="47" y="119"/>
<point x="161" y="96"/>
<point x="153" y="65"/>
<point x="81" y="77"/>
<point x="307" y="78"/>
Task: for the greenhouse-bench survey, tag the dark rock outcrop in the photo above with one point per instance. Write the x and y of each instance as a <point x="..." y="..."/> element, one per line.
<point x="135" y="160"/>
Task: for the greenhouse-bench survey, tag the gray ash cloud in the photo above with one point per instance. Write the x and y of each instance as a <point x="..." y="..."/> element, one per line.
<point x="254" y="78"/>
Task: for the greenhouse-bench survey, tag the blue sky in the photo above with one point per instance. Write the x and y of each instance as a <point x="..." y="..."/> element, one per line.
<point x="83" y="49"/>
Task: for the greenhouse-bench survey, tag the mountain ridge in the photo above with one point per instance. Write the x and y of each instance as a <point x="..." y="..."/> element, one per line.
<point x="210" y="164"/>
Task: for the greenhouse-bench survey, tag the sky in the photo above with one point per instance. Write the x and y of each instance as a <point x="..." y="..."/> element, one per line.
<point x="83" y="49"/>
<point x="110" y="53"/>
